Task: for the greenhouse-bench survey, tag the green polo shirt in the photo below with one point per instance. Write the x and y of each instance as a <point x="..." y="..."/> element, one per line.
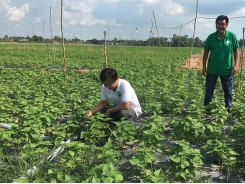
<point x="220" y="58"/>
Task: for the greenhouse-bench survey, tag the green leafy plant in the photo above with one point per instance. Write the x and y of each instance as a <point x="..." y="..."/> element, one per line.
<point x="104" y="173"/>
<point x="188" y="128"/>
<point x="186" y="159"/>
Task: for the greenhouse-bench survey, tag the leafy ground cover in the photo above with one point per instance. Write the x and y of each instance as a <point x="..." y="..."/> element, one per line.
<point x="50" y="141"/>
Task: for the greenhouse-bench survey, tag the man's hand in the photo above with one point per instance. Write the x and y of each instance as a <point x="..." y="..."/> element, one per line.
<point x="89" y="114"/>
<point x="108" y="112"/>
<point x="234" y="69"/>
<point x="204" y="72"/>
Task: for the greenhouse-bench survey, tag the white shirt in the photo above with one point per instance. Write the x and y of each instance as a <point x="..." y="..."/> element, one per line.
<point x="123" y="93"/>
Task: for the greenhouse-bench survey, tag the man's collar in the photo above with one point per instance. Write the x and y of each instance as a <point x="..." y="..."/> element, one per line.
<point x="118" y="85"/>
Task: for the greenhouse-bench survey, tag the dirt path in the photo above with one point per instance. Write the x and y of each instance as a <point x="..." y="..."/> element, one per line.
<point x="196" y="62"/>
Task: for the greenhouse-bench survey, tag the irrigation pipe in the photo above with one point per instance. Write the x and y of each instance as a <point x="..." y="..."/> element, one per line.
<point x="4" y="125"/>
<point x="57" y="151"/>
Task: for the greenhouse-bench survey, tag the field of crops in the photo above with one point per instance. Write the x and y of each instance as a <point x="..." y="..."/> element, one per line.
<point x="45" y="138"/>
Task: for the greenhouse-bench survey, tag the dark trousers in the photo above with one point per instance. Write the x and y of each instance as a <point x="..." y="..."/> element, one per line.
<point x="226" y="81"/>
<point x="128" y="114"/>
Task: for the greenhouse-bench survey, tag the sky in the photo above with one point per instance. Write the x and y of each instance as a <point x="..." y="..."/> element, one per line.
<point x="121" y="19"/>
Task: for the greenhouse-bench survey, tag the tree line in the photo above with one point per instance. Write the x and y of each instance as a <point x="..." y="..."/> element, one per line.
<point x="174" y="41"/>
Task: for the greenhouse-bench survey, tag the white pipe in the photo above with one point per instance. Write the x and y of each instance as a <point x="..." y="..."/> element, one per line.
<point x="4" y="125"/>
<point x="31" y="172"/>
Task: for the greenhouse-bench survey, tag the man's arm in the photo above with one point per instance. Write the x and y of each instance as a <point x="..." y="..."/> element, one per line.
<point x="97" y="108"/>
<point x="204" y="62"/>
<point x="236" y="61"/>
<point x="122" y="106"/>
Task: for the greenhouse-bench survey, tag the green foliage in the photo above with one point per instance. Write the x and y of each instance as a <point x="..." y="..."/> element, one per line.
<point x="124" y="131"/>
<point x="151" y="133"/>
<point x="186" y="160"/>
<point x="158" y="176"/>
<point x="38" y="104"/>
<point x="239" y="136"/>
<point x="188" y="129"/>
<point x="104" y="173"/>
<point x="97" y="130"/>
<point x="221" y="149"/>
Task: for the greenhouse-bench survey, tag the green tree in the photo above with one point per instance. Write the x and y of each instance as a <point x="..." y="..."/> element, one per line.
<point x="198" y="42"/>
<point x="57" y="39"/>
<point x="6" y="38"/>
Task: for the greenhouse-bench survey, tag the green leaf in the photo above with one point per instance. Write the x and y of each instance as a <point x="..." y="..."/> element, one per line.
<point x="67" y="178"/>
<point x="175" y="158"/>
<point x="54" y="181"/>
<point x="134" y="161"/>
<point x="118" y="178"/>
<point x="95" y="179"/>
<point x="22" y="180"/>
<point x="107" y="168"/>
<point x="72" y="153"/>
<point x="50" y="171"/>
<point x="158" y="172"/>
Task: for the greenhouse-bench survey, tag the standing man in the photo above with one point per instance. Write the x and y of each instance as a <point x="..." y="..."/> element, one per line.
<point x="221" y="45"/>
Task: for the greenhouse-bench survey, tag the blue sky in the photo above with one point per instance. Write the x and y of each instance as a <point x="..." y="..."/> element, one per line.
<point x="121" y="19"/>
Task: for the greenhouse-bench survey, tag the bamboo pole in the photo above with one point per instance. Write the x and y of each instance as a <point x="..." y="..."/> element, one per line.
<point x="241" y="64"/>
<point x="105" y="55"/>
<point x="193" y="38"/>
<point x="33" y="39"/>
<point x="179" y="37"/>
<point x="50" y="26"/>
<point x="159" y="43"/>
<point x="63" y="44"/>
<point x="43" y="34"/>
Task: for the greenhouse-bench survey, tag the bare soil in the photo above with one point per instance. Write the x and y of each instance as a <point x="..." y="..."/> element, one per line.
<point x="195" y="62"/>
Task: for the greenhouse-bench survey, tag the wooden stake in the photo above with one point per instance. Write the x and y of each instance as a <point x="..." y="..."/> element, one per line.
<point x="105" y="64"/>
<point x="50" y="26"/>
<point x="63" y="44"/>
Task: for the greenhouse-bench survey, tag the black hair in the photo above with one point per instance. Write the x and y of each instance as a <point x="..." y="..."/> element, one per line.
<point x="109" y="74"/>
<point x="222" y="17"/>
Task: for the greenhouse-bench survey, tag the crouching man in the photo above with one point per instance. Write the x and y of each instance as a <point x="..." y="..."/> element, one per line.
<point x="120" y="93"/>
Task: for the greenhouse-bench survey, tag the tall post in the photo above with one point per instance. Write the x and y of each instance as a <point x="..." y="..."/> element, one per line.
<point x="33" y="39"/>
<point x="241" y="63"/>
<point x="105" y="64"/>
<point x="108" y="32"/>
<point x="63" y="44"/>
<point x="81" y="37"/>
<point x="43" y="34"/>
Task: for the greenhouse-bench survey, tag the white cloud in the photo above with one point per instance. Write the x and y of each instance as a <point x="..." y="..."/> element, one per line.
<point x="15" y="14"/>
<point x="113" y="0"/>
<point x="82" y="13"/>
<point x="172" y="8"/>
<point x="89" y="20"/>
<point x="81" y="6"/>
<point x="4" y="5"/>
<point x="243" y="10"/>
<point x="69" y="15"/>
<point x="151" y="1"/>
<point x="38" y="20"/>
<point x="73" y="22"/>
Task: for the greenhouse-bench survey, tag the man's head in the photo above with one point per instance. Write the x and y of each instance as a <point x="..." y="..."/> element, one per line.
<point x="222" y="17"/>
<point x="109" y="77"/>
<point x="221" y="23"/>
